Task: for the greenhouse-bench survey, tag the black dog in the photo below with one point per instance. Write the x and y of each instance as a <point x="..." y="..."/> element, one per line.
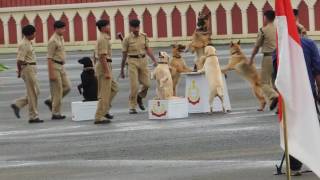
<point x="89" y="82"/>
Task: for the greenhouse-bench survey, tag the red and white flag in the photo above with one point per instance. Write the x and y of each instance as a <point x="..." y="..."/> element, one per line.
<point x="294" y="86"/>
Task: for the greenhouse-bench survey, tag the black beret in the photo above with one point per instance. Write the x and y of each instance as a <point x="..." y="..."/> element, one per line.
<point x="296" y="12"/>
<point x="270" y="15"/>
<point x="134" y="23"/>
<point x="59" y="24"/>
<point x="101" y="23"/>
<point x="86" y="61"/>
<point x="28" y="30"/>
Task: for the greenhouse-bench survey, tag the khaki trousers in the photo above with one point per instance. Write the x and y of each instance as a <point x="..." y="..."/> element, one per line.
<point x="138" y="74"/>
<point x="266" y="78"/>
<point x="59" y="88"/>
<point x="107" y="90"/>
<point x="28" y="75"/>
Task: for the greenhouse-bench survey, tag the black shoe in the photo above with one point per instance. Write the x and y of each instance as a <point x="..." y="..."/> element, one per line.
<point x="274" y="103"/>
<point x="37" y="120"/>
<point x="102" y="121"/>
<point x="48" y="103"/>
<point x="140" y="103"/>
<point x="58" y="117"/>
<point x="133" y="111"/>
<point x="16" y="110"/>
<point x="109" y="116"/>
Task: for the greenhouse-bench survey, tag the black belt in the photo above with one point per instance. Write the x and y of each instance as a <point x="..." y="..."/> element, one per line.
<point x="58" y="62"/>
<point x="137" y="56"/>
<point x="162" y="62"/>
<point x="32" y="64"/>
<point x="268" y="54"/>
<point x="109" y="60"/>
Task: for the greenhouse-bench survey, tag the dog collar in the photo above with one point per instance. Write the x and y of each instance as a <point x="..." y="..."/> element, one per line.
<point x="235" y="52"/>
<point x="177" y="56"/>
<point x="162" y="63"/>
<point x="88" y="68"/>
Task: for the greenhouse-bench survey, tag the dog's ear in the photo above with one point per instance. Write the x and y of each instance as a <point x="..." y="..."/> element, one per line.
<point x="159" y="53"/>
<point x="231" y="44"/>
<point x="239" y="42"/>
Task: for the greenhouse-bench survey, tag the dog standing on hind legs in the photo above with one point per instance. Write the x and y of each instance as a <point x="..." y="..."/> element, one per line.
<point x="177" y="65"/>
<point x="239" y="62"/>
<point x="213" y="74"/>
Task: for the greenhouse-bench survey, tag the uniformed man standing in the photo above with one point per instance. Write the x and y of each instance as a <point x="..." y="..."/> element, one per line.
<point x="59" y="82"/>
<point x="27" y="70"/>
<point x="135" y="46"/>
<point x="107" y="87"/>
<point x="267" y="40"/>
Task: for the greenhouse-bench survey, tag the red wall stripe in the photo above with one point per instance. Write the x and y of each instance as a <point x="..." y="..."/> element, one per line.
<point x="147" y="23"/>
<point x="1" y="32"/>
<point x="236" y="16"/>
<point x="162" y="24"/>
<point x="252" y="16"/>
<point x="221" y="21"/>
<point x="92" y="30"/>
<point x="78" y="31"/>
<point x="12" y="31"/>
<point x="176" y="23"/>
<point x="39" y="27"/>
<point x="191" y="21"/>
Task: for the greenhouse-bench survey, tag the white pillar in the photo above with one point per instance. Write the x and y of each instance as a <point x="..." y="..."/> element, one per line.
<point x="71" y="30"/>
<point x="311" y="19"/>
<point x="45" y="31"/>
<point x="184" y="24"/>
<point x="85" y="30"/>
<point x="154" y="27"/>
<point x="6" y="31"/>
<point x="244" y="21"/>
<point x="112" y="28"/>
<point x="169" y="25"/>
<point x="19" y="31"/>
<point x="214" y="23"/>
<point x="229" y="21"/>
<point x="126" y="25"/>
<point x="260" y="18"/>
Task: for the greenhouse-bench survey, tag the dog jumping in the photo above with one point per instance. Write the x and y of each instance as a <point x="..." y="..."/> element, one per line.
<point x="239" y="62"/>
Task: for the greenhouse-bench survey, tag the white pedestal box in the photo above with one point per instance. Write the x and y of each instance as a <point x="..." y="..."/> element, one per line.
<point x="168" y="109"/>
<point x="83" y="111"/>
<point x="197" y="93"/>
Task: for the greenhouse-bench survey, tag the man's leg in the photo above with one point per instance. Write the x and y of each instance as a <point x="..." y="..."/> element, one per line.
<point x="144" y="79"/>
<point x="56" y="94"/>
<point x="32" y="92"/>
<point x="103" y="98"/>
<point x="266" y="80"/>
<point x="133" y="77"/>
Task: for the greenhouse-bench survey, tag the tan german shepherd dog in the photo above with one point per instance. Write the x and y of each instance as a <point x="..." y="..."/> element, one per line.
<point x="239" y="62"/>
<point x="177" y="65"/>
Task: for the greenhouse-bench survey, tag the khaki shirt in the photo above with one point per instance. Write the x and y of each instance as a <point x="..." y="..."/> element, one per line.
<point x="56" y="49"/>
<point x="26" y="52"/>
<point x="135" y="45"/>
<point x="267" y="38"/>
<point x="103" y="46"/>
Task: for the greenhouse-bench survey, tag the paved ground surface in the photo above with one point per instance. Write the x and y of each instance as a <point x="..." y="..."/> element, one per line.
<point x="242" y="145"/>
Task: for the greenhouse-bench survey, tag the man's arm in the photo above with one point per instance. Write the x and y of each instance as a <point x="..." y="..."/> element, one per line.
<point x="105" y="65"/>
<point x="123" y="63"/>
<point x="51" y="49"/>
<point x="253" y="55"/>
<point x="150" y="54"/>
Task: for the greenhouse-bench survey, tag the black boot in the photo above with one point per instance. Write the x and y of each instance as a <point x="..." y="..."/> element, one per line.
<point x="58" y="117"/>
<point x="133" y="111"/>
<point x="140" y="103"/>
<point x="16" y="110"/>
<point x="48" y="103"/>
<point x="37" y="120"/>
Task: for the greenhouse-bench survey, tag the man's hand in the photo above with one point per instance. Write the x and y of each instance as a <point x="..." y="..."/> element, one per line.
<point x="52" y="77"/>
<point x="18" y="74"/>
<point x="250" y="62"/>
<point x="122" y="74"/>
<point x="107" y="75"/>
<point x="155" y="63"/>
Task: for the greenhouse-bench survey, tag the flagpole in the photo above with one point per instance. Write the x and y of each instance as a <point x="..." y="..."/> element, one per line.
<point x="285" y="131"/>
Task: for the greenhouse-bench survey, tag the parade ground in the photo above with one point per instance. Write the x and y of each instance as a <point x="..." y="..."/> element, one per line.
<point x="240" y="145"/>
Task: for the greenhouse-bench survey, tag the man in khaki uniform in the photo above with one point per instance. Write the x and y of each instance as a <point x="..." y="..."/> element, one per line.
<point x="107" y="87"/>
<point x="267" y="40"/>
<point x="59" y="82"/>
<point x="301" y="29"/>
<point x="135" y="46"/>
<point x="26" y="64"/>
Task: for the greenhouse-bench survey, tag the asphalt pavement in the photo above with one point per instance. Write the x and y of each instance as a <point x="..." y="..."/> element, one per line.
<point x="240" y="145"/>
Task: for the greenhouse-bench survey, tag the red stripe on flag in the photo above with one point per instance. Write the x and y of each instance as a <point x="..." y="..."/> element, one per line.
<point x="284" y="8"/>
